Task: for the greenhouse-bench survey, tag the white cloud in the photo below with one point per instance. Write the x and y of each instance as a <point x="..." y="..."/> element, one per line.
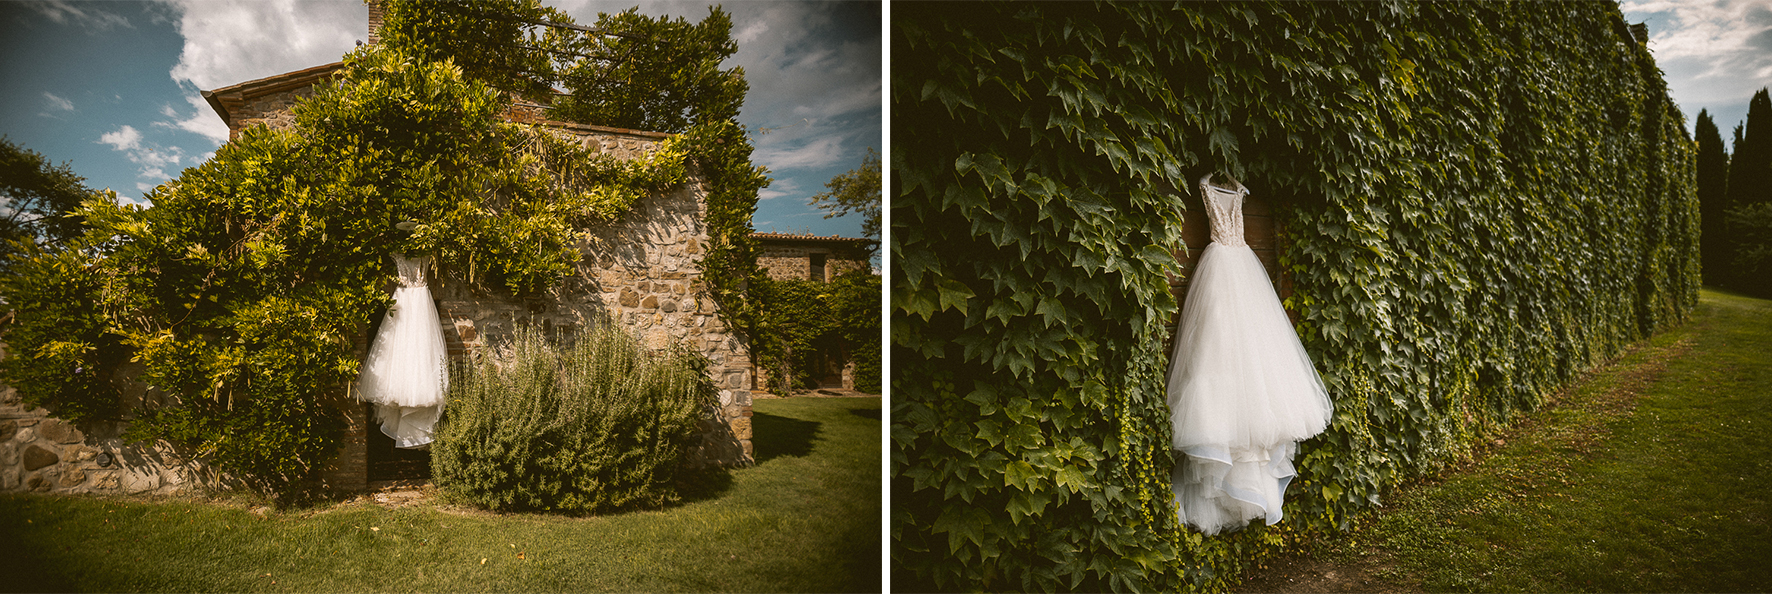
<point x="203" y="120"/>
<point x="125" y="138"/>
<point x="801" y="152"/>
<point x="58" y="102"/>
<point x="1714" y="54"/>
<point x="751" y="32"/>
<point x="234" y="41"/>
<point x="781" y="189"/>
<point x="86" y="15"/>
<point x="152" y="158"/>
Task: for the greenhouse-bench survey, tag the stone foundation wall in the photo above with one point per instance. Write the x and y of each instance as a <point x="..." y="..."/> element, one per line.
<point x="45" y="454"/>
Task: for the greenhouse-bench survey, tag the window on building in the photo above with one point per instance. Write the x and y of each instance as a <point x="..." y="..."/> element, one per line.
<point x="817" y="273"/>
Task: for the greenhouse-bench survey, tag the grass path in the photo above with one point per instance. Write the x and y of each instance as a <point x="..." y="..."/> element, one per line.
<point x="805" y="518"/>
<point x="1654" y="474"/>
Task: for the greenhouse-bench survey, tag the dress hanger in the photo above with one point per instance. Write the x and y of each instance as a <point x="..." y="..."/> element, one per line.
<point x="1206" y="182"/>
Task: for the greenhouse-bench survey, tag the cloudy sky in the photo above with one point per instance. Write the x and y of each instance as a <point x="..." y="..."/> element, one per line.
<point x="112" y="87"/>
<point x="1714" y="53"/>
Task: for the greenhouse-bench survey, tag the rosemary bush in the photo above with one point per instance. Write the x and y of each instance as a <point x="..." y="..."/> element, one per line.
<point x="602" y="424"/>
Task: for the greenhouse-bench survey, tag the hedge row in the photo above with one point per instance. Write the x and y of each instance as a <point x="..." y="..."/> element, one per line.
<point x="1477" y="202"/>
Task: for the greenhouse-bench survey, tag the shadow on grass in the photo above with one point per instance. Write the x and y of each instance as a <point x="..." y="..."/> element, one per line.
<point x="777" y="436"/>
<point x="693" y="486"/>
<point x="866" y="413"/>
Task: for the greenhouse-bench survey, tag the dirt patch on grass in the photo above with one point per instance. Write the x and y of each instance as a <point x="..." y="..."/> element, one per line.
<point x="1302" y="574"/>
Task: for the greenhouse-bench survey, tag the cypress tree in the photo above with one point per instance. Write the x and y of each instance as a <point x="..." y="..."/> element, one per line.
<point x="1749" y="219"/>
<point x="1750" y="171"/>
<point x="1713" y="182"/>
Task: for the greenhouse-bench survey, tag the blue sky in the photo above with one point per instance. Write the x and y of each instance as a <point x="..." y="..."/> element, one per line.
<point x="1714" y="54"/>
<point x="112" y="87"/>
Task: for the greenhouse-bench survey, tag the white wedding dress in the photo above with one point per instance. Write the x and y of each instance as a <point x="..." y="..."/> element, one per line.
<point x="1242" y="389"/>
<point x="407" y="374"/>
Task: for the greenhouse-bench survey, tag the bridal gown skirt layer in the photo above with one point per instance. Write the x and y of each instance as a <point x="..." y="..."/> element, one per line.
<point x="1242" y="393"/>
<point x="405" y="375"/>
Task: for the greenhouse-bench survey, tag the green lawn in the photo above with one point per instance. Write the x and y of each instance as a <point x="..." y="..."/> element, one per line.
<point x="1652" y="475"/>
<point x="805" y="518"/>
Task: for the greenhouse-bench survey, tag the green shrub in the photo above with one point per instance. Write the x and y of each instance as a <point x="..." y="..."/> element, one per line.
<point x="1752" y="266"/>
<point x="600" y="425"/>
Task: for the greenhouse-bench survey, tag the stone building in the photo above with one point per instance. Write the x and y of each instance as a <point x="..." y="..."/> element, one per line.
<point x="642" y="271"/>
<point x="811" y="257"/>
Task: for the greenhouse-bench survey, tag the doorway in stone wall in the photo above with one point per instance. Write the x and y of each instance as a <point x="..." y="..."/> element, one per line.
<point x="389" y="463"/>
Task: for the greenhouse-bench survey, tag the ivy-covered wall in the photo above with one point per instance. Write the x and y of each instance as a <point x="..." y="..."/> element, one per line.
<point x="1479" y="200"/>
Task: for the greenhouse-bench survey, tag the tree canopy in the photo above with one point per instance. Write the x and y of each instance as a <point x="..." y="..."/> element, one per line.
<point x="35" y="198"/>
<point x="855" y="191"/>
<point x="1748" y="205"/>
<point x="627" y="71"/>
<point x="1713" y="181"/>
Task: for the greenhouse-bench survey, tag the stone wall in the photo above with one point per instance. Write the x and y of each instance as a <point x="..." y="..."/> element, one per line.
<point x="273" y="110"/>
<point x="643" y="272"/>
<point x="41" y="453"/>
<point x="789" y="257"/>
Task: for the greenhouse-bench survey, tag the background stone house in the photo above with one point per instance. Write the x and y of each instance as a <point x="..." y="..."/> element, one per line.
<point x="810" y="257"/>
<point x="642" y="271"/>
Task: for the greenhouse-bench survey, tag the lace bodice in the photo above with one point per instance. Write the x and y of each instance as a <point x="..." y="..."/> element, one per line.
<point x="1224" y="210"/>
<point x="412" y="270"/>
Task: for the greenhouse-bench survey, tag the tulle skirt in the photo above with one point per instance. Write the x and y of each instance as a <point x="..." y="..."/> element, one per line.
<point x="406" y="373"/>
<point x="1242" y="393"/>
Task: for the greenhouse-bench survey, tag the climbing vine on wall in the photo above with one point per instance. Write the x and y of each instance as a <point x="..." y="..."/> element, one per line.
<point x="1479" y="202"/>
<point x="798" y="319"/>
<point x="241" y="290"/>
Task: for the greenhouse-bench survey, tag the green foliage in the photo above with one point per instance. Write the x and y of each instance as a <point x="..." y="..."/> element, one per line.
<point x="853" y="191"/>
<point x="722" y="153"/>
<point x="59" y="354"/>
<point x="1747" y="210"/>
<point x="598" y="426"/>
<point x="491" y="40"/>
<point x="855" y="308"/>
<point x="35" y="196"/>
<point x="665" y="75"/>
<point x="1478" y="202"/>
<point x="1750" y="167"/>
<point x="1715" y="244"/>
<point x="794" y="321"/>
<point x="1752" y="232"/>
<point x="241" y="289"/>
<point x="632" y="71"/>
<point x="800" y="318"/>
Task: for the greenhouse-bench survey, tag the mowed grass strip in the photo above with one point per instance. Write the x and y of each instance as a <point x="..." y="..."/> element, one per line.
<point x="1650" y="475"/>
<point x="805" y="518"/>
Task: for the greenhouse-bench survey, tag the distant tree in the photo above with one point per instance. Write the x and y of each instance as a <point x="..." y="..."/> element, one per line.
<point x="1750" y="168"/>
<point x="1750" y="200"/>
<point x="627" y="71"/>
<point x="1713" y="183"/>
<point x="855" y="191"/>
<point x="35" y="198"/>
